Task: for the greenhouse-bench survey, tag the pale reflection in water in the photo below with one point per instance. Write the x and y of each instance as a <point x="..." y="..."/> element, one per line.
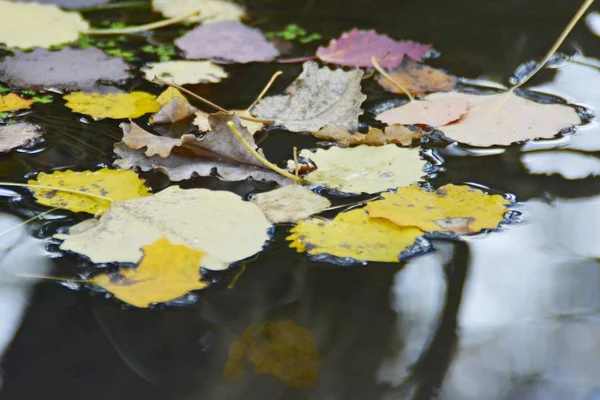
<point x="19" y="253"/>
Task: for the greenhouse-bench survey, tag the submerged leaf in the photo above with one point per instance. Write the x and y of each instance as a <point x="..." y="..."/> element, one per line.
<point x="282" y="349"/>
<point x="355" y="49"/>
<point x="27" y="25"/>
<point x="505" y="118"/>
<point x="166" y="272"/>
<point x="64" y="69"/>
<point x="112" y="105"/>
<point x="114" y="184"/>
<point x="230" y="41"/>
<point x="183" y="72"/>
<point x="364" y="169"/>
<point x="318" y="97"/>
<point x="15" y="135"/>
<point x="433" y="112"/>
<point x="290" y="203"/>
<point x="451" y="208"/>
<point x="70" y="4"/>
<point x="208" y="10"/>
<point x="418" y="79"/>
<point x="354" y="235"/>
<point x="395" y="134"/>
<point x="218" y="223"/>
<point x="13" y="102"/>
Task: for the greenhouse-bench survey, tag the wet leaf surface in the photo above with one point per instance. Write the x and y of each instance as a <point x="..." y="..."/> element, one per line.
<point x="208" y="10"/>
<point x="112" y="105"/>
<point x="418" y="79"/>
<point x="184" y="72"/>
<point x="394" y="134"/>
<point x="16" y="135"/>
<point x="290" y="203"/>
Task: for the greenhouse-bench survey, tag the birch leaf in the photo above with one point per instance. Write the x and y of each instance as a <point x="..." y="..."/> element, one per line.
<point x="15" y="135"/>
<point x="290" y="203"/>
<point x="114" y="184"/>
<point x="318" y="97"/>
<point x="209" y="10"/>
<point x="218" y="223"/>
<point x="353" y="235"/>
<point x="183" y="72"/>
<point x="364" y="169"/>
<point x="27" y="25"/>
<point x="112" y="105"/>
<point x="13" y="102"/>
<point x="166" y="272"/>
<point x="451" y="208"/>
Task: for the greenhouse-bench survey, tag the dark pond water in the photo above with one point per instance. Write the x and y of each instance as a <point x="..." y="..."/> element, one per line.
<point x="507" y="315"/>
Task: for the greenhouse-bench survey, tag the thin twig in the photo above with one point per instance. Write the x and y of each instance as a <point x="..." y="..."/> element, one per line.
<point x="140" y="28"/>
<point x="12" y="228"/>
<point x="265" y="89"/>
<point x="260" y="158"/>
<point x="389" y="78"/>
<point x="296" y="165"/>
<point x="79" y="192"/>
<point x="358" y="203"/>
<point x="53" y="278"/>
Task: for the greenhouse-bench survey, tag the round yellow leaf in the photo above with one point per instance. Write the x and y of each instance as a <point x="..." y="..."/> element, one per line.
<point x="113" y="105"/>
<point x="353" y="235"/>
<point x="452" y="208"/>
<point x="117" y="185"/>
<point x="27" y="25"/>
<point x="183" y="72"/>
<point x="166" y="272"/>
<point x="209" y="10"/>
<point x="13" y="102"/>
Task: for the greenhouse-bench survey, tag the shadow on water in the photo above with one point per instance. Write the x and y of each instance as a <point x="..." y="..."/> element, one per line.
<point x="506" y="315"/>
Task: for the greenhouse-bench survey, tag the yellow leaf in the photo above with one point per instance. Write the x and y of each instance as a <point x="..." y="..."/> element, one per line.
<point x="117" y="185"/>
<point x="166" y="272"/>
<point x="113" y="105"/>
<point x="183" y="72"/>
<point x="353" y="234"/>
<point x="12" y="102"/>
<point x="460" y="209"/>
<point x="168" y="95"/>
<point x="282" y="349"/>
<point x="27" y="25"/>
<point x="209" y="10"/>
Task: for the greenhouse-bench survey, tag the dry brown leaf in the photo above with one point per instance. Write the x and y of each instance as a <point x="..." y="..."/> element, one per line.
<point x="395" y="134"/>
<point x="176" y="110"/>
<point x="15" y="135"/>
<point x="418" y="79"/>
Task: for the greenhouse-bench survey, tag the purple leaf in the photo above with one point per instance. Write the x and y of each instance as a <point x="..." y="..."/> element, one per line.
<point x="231" y="41"/>
<point x="355" y="49"/>
<point x="71" y="4"/>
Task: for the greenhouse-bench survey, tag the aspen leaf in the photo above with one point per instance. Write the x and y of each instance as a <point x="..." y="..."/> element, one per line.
<point x="174" y="107"/>
<point x="166" y="272"/>
<point x="290" y="203"/>
<point x="209" y="10"/>
<point x="182" y="72"/>
<point x="27" y="25"/>
<point x="364" y="169"/>
<point x="15" y="135"/>
<point x="13" y="102"/>
<point x="353" y="235"/>
<point x="168" y="95"/>
<point x="219" y="223"/>
<point x="430" y="111"/>
<point x="282" y="349"/>
<point x="451" y="208"/>
<point x="418" y="79"/>
<point x="394" y="134"/>
<point x="112" y="105"/>
<point x="117" y="185"/>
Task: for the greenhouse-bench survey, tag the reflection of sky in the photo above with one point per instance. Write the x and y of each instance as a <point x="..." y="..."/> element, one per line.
<point x="19" y="253"/>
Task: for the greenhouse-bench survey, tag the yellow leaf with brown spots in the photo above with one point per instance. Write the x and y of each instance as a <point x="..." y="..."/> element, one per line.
<point x="167" y="271"/>
<point x="452" y="208"/>
<point x="112" y="105"/>
<point x="13" y="102"/>
<point x="353" y="235"/>
<point x="116" y="185"/>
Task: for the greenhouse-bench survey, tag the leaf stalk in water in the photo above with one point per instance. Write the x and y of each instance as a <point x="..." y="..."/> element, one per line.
<point x="141" y="28"/>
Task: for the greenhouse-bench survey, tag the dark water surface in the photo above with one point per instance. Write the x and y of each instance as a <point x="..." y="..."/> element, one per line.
<point x="507" y="315"/>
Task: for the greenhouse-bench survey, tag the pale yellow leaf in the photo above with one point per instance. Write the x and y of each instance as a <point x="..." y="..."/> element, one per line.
<point x="15" y="135"/>
<point x="209" y="10"/>
<point x="434" y="112"/>
<point x="290" y="203"/>
<point x="183" y="72"/>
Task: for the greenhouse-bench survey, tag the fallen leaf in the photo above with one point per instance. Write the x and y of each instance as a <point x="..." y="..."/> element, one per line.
<point x="394" y="134"/>
<point x="230" y="41"/>
<point x="318" y="97"/>
<point x="15" y="135"/>
<point x="209" y="10"/>
<point x="505" y="118"/>
<point x="175" y="111"/>
<point x="13" y="102"/>
<point x="282" y="349"/>
<point x="290" y="203"/>
<point x="64" y="69"/>
<point x="433" y="112"/>
<point x="353" y="235"/>
<point x="166" y="272"/>
<point x="451" y="208"/>
<point x="115" y="184"/>
<point x="218" y="223"/>
<point x="112" y="105"/>
<point x="169" y="94"/>
<point x="27" y="25"/>
<point x="201" y="121"/>
<point x="355" y="49"/>
<point x="182" y="72"/>
<point x="70" y="4"/>
<point x="418" y="79"/>
<point x="251" y="126"/>
<point x="364" y="169"/>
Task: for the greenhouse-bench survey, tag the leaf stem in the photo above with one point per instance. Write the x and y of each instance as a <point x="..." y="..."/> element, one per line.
<point x="12" y="228"/>
<point x="265" y="90"/>
<point x="260" y="158"/>
<point x="79" y="192"/>
<point x="140" y="28"/>
<point x="208" y="102"/>
<point x="296" y="165"/>
<point x="53" y="278"/>
<point x="389" y="78"/>
<point x="556" y="44"/>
